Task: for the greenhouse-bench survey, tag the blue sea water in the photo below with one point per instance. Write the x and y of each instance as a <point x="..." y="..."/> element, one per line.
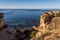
<point x="22" y="17"/>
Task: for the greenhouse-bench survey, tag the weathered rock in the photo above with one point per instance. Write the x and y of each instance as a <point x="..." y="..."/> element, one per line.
<point x="26" y="34"/>
<point x="18" y="35"/>
<point x="49" y="28"/>
<point x="1" y="20"/>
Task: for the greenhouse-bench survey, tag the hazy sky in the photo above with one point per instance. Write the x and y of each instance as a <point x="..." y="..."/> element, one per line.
<point x="30" y="4"/>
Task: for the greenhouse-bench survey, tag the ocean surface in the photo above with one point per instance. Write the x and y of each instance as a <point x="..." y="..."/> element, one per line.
<point x="22" y="17"/>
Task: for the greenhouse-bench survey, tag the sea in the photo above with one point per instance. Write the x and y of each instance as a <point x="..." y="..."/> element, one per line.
<point x="22" y="18"/>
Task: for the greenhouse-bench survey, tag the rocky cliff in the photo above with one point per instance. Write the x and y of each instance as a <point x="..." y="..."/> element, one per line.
<point x="1" y="20"/>
<point x="49" y="28"/>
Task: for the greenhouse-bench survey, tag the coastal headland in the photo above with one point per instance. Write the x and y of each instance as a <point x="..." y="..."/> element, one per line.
<point x="48" y="29"/>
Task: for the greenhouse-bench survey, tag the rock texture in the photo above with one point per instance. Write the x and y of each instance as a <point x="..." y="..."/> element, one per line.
<point x="1" y="20"/>
<point x="49" y="28"/>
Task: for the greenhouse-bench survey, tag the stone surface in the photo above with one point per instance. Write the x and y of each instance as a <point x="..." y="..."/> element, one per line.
<point x="49" y="28"/>
<point x="2" y="20"/>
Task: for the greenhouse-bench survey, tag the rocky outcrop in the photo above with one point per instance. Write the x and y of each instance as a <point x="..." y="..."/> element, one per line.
<point x="49" y="28"/>
<point x="1" y="20"/>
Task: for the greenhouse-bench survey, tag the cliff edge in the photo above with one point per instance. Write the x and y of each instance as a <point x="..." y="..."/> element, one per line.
<point x="49" y="28"/>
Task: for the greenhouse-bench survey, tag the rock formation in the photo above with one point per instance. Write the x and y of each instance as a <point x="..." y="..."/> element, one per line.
<point x="49" y="28"/>
<point x="2" y="20"/>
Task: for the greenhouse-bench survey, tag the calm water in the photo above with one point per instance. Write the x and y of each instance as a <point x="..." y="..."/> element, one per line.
<point x="22" y="17"/>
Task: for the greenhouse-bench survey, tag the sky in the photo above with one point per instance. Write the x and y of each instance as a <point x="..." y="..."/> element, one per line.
<point x="29" y="4"/>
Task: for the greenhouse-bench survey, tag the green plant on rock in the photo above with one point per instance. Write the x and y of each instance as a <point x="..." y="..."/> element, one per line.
<point x="47" y="33"/>
<point x="33" y="33"/>
<point x="43" y="35"/>
<point x="58" y="15"/>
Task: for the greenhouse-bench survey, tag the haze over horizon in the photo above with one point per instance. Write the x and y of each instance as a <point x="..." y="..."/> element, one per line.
<point x="29" y="4"/>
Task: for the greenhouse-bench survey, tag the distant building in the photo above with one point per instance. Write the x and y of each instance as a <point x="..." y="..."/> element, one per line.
<point x="2" y="20"/>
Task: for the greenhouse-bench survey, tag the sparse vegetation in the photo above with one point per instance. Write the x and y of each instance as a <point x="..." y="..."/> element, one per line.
<point x="33" y="33"/>
<point x="43" y="35"/>
<point x="47" y="33"/>
<point x="58" y="15"/>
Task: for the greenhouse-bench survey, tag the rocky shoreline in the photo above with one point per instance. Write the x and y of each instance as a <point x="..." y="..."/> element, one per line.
<point x="12" y="34"/>
<point x="48" y="29"/>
